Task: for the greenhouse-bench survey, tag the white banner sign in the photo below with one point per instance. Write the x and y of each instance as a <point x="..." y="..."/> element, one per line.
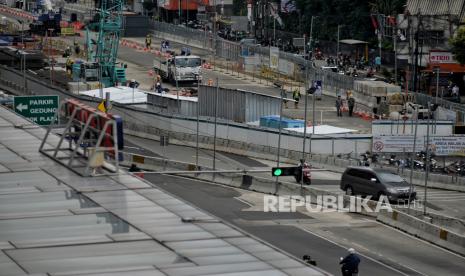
<point x="448" y="145"/>
<point x="396" y="143"/>
<point x="441" y="57"/>
<point x="286" y="67"/>
<point x="274" y="57"/>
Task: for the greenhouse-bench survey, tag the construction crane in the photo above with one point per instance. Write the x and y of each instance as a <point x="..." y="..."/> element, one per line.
<point x="103" y="51"/>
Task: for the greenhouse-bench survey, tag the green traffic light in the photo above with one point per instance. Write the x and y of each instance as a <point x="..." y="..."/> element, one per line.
<point x="277" y="172"/>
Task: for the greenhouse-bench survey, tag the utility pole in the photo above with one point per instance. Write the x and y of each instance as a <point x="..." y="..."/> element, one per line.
<point x="179" y="10"/>
<point x="417" y="42"/>
<point x="394" y="37"/>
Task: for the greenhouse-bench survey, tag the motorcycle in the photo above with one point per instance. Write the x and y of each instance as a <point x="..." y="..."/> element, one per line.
<point x="305" y="171"/>
<point x="393" y="161"/>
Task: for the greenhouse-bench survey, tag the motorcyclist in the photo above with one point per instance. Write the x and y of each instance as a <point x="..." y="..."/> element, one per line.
<point x="350" y="263"/>
<point x="301" y="173"/>
<point x="159" y="88"/>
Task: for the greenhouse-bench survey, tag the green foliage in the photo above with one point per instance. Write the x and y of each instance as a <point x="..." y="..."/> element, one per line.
<point x="240" y="7"/>
<point x="148" y="5"/>
<point x="458" y="45"/>
<point x="354" y="15"/>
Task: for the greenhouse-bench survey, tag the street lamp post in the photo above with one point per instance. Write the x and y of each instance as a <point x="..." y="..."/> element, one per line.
<point x="216" y="118"/>
<point x="197" y="130"/>
<point x="427" y="160"/>
<point x="280" y="128"/>
<point x="305" y="124"/>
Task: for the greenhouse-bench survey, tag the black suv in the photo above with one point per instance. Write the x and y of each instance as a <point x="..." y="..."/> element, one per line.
<point x="375" y="182"/>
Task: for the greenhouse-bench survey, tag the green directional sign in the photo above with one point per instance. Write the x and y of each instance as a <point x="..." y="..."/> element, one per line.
<point x="38" y="109"/>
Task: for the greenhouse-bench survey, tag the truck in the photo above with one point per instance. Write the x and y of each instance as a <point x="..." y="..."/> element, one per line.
<point x="181" y="69"/>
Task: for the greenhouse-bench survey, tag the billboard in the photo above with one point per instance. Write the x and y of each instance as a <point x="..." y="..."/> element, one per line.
<point x="453" y="145"/>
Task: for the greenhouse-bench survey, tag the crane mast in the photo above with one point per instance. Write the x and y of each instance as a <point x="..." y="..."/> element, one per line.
<point x="104" y="50"/>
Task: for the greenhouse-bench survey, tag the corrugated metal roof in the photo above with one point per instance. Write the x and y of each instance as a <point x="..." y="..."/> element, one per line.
<point x="437" y="7"/>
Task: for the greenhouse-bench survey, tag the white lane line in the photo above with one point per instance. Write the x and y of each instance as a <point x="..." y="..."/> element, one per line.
<point x="369" y="258"/>
<point x="203" y="157"/>
<point x="243" y="201"/>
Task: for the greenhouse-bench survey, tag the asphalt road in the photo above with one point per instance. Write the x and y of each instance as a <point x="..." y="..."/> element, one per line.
<point x="450" y="203"/>
<point x="325" y="239"/>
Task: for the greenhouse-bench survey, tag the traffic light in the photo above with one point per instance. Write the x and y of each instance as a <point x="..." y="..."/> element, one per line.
<point x="284" y="171"/>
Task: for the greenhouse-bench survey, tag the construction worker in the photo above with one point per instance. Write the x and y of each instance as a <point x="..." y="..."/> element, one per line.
<point x="210" y="82"/>
<point x="296" y="97"/>
<point x="148" y="42"/>
<point x="77" y="48"/>
<point x="69" y="66"/>
<point x="67" y="52"/>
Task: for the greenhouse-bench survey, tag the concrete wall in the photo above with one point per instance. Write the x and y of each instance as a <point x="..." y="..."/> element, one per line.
<point x="424" y="230"/>
<point x="398" y="127"/>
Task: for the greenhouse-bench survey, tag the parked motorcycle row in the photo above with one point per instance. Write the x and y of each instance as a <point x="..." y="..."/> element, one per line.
<point x="419" y="162"/>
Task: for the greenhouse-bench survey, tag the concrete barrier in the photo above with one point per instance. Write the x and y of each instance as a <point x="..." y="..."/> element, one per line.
<point x="424" y="230"/>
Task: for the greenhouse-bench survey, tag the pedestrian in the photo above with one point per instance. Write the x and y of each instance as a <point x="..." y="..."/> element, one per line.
<point x="378" y="63"/>
<point x="350" y="263"/>
<point x="455" y="92"/>
<point x="339" y="106"/>
<point x="296" y="97"/>
<point x="159" y="88"/>
<point x="77" y="48"/>
<point x="284" y="96"/>
<point x="351" y="104"/>
<point x="148" y="42"/>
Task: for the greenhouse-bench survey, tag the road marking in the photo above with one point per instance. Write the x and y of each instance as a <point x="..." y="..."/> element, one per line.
<point x="127" y="147"/>
<point x="370" y="258"/>
<point x="423" y="241"/>
<point x="244" y="201"/>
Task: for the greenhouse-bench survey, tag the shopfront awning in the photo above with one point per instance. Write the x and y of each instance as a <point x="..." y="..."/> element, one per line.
<point x="445" y="68"/>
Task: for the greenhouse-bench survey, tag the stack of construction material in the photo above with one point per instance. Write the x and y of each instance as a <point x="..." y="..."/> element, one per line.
<point x="273" y="122"/>
<point x="370" y="93"/>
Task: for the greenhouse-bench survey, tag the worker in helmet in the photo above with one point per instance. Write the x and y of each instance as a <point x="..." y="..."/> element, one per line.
<point x="69" y="66"/>
<point x="148" y="41"/>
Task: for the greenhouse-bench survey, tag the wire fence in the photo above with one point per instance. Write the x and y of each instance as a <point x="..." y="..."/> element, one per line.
<point x="253" y="61"/>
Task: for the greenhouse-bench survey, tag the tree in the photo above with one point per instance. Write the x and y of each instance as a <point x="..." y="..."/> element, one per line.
<point x="388" y="7"/>
<point x="148" y="5"/>
<point x="354" y="15"/>
<point x="239" y="7"/>
<point x="458" y="45"/>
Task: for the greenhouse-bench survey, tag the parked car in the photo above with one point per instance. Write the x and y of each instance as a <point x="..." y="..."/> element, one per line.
<point x="375" y="182"/>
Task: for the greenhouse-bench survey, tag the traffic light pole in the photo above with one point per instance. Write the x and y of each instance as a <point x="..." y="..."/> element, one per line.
<point x="305" y="122"/>
<point x="280" y="128"/>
